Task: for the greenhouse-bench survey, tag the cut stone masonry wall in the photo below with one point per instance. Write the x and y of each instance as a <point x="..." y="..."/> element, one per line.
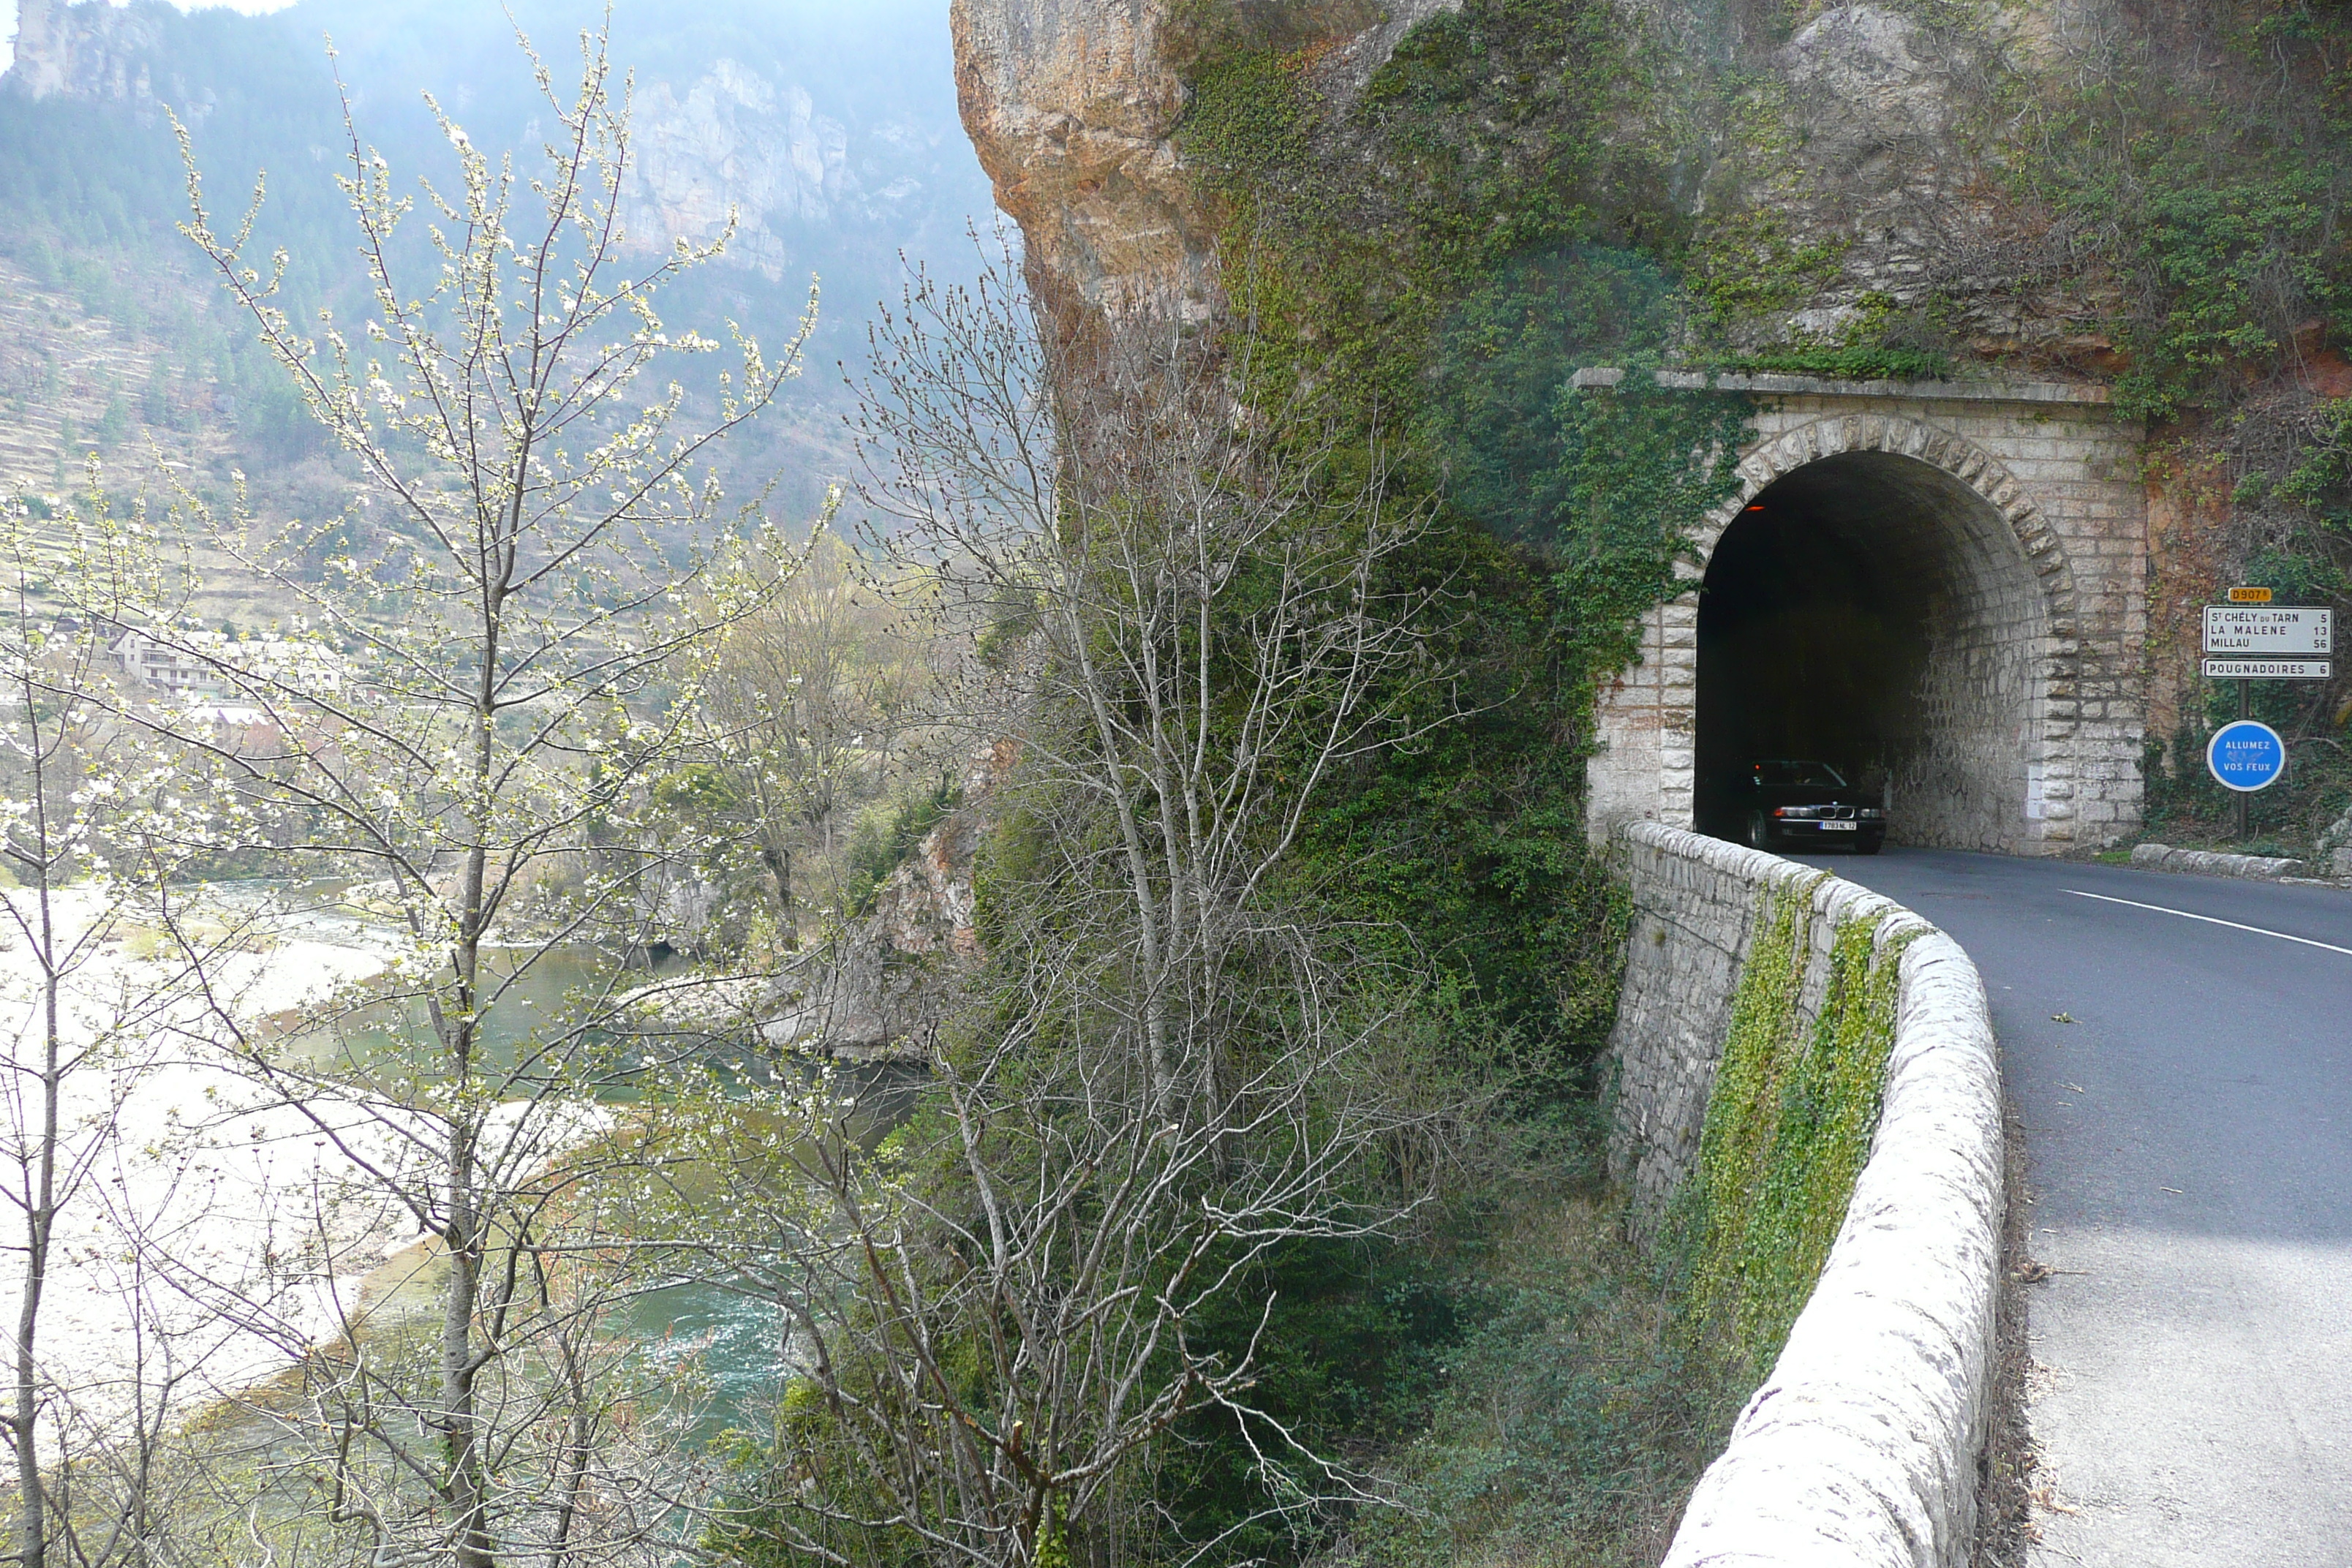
<point x="1861" y="1446"/>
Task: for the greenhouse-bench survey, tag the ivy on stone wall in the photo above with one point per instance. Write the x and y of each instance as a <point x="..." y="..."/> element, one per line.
<point x="1501" y="362"/>
<point x="1448" y="251"/>
<point x="1638" y="468"/>
<point x="1788" y="1124"/>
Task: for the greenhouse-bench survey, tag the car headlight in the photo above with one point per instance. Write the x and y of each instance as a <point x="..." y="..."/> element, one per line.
<point x="1797" y="812"/>
<point x="1871" y="813"/>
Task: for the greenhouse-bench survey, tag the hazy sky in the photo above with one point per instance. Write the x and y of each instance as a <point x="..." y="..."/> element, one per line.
<point x="8" y="18"/>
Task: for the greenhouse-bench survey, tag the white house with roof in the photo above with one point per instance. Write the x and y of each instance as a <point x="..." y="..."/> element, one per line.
<point x="214" y="665"/>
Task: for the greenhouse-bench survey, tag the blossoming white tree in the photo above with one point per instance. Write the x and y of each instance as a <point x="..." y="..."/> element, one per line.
<point x="484" y="680"/>
<point x="93" y="824"/>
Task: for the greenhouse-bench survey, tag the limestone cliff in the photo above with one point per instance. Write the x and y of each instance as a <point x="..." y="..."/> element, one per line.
<point x="89" y="51"/>
<point x="1870" y="158"/>
<point x="1847" y="149"/>
<point x="1073" y="106"/>
<point x="832" y="147"/>
<point x="882" y="986"/>
<point x="737" y="142"/>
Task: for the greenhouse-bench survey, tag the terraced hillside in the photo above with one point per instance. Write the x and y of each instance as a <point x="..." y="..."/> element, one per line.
<point x="75" y="382"/>
<point x="76" y="386"/>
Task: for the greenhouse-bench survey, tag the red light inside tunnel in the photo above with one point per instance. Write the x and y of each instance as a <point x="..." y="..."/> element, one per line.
<point x="1757" y="507"/>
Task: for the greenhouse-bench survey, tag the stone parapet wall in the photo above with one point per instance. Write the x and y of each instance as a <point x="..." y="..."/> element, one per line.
<point x="1861" y="1445"/>
<point x="1698" y="905"/>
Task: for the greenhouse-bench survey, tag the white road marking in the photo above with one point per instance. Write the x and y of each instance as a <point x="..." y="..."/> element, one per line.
<point x="2210" y="920"/>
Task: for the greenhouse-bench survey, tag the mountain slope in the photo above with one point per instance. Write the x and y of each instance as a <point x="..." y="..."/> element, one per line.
<point x="829" y="134"/>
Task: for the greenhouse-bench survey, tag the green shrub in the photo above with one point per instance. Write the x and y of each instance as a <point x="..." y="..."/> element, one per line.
<point x="1573" y="1418"/>
<point x="887" y="834"/>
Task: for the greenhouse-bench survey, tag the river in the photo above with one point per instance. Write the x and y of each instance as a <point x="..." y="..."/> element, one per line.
<point x="216" y="1236"/>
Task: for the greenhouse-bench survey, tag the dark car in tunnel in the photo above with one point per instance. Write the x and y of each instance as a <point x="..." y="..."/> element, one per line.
<point x="1795" y="804"/>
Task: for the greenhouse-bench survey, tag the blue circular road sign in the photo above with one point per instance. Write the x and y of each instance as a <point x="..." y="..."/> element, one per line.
<point x="2246" y="756"/>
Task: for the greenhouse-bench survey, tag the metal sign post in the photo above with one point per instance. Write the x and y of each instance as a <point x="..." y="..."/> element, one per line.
<point x="2260" y="641"/>
<point x="2240" y="804"/>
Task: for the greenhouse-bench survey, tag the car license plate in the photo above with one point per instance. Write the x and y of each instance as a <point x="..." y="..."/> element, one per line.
<point x="1841" y="827"/>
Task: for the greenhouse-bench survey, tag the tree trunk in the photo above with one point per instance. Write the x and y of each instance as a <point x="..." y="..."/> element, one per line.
<point x="467" y="1486"/>
<point x="40" y="1217"/>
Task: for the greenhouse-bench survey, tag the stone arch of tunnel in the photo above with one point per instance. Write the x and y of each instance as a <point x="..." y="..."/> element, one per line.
<point x="1873" y="611"/>
<point x="1966" y="567"/>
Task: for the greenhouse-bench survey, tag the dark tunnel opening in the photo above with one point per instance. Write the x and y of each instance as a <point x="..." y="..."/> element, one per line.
<point x="1870" y="612"/>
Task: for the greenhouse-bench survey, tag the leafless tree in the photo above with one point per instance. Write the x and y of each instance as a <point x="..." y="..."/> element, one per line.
<point x="814" y="697"/>
<point x="1171" y="1064"/>
<point x="1202" y="592"/>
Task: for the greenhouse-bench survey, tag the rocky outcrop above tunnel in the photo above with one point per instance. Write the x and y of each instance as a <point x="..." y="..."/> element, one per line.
<point x="1865" y="164"/>
<point x="1846" y="180"/>
<point x="1073" y="105"/>
<point x="1873" y="174"/>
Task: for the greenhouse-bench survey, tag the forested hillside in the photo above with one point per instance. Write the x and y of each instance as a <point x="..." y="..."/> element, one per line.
<point x="828" y="131"/>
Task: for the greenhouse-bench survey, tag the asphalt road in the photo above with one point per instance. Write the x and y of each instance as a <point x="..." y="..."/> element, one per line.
<point x="2187" y="1093"/>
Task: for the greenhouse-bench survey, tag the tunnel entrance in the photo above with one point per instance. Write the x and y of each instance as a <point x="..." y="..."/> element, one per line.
<point x="1871" y="611"/>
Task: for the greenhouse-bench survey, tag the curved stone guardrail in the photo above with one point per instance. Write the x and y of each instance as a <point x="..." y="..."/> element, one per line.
<point x="1861" y="1446"/>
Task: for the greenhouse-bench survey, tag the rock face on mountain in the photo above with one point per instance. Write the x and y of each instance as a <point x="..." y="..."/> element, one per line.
<point x="1874" y="165"/>
<point x="1875" y="105"/>
<point x="1073" y="106"/>
<point x="828" y="147"/>
<point x="1846" y="148"/>
<point x="735" y="142"/>
<point x="84" y="51"/>
<point x="881" y="989"/>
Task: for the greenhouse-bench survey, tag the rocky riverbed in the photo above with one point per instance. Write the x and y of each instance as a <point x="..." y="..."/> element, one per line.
<point x="204" y="1234"/>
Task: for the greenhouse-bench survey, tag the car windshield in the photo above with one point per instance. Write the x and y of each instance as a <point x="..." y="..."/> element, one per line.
<point x="1801" y="775"/>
